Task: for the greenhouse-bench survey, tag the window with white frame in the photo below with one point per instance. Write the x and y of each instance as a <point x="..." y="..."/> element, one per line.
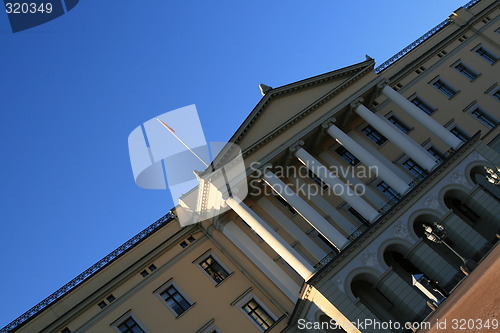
<point x="444" y="87"/>
<point x="496" y="94"/>
<point x="128" y="323"/>
<point x="209" y="328"/>
<point x="483" y="116"/>
<point x="213" y="267"/>
<point x="466" y="71"/>
<point x="258" y="314"/>
<point x="436" y="153"/>
<point x="399" y="124"/>
<point x="485" y="54"/>
<point x="422" y="105"/>
<point x="415" y="169"/>
<point x="317" y="180"/>
<point x="374" y="135"/>
<point x="354" y="214"/>
<point x="388" y="191"/>
<point x="175" y="300"/>
<point x="130" y="326"/>
<point x="347" y="156"/>
<point x="284" y="203"/>
<point x="459" y="133"/>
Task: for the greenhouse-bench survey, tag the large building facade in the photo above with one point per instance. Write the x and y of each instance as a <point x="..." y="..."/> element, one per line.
<point x="352" y="174"/>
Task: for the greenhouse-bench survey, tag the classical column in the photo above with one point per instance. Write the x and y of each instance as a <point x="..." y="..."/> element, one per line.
<point x="423" y="118"/>
<point x="403" y="141"/>
<point x="346" y="193"/>
<point x="284" y="250"/>
<point x="305" y="210"/>
<point x="262" y="260"/>
<point x="386" y="174"/>
<point x="290" y="227"/>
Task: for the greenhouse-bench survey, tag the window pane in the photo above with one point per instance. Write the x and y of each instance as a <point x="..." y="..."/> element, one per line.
<point x="258" y="314"/>
<point x="459" y="134"/>
<point x="388" y="191"/>
<point x="347" y="156"/>
<point x="374" y="135"/>
<point x="415" y="169"/>
<point x="130" y="326"/>
<point x="284" y="203"/>
<point x="399" y="124"/>
<point x="466" y="71"/>
<point x="489" y="57"/>
<point x="484" y="118"/>
<point x="436" y="153"/>
<point x="496" y="95"/>
<point x="422" y="105"/>
<point x="175" y="300"/>
<point x="444" y="88"/>
<point x="214" y="269"/>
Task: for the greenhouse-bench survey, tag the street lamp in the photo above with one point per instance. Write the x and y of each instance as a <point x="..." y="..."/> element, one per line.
<point x="436" y="233"/>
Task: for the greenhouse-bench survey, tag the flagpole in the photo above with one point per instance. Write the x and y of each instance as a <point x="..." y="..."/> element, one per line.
<point x="185" y="145"/>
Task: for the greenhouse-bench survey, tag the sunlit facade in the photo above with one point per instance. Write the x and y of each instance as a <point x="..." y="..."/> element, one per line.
<point x="353" y="175"/>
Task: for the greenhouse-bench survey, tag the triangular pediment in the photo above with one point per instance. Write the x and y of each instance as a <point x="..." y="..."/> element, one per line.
<point x="281" y="106"/>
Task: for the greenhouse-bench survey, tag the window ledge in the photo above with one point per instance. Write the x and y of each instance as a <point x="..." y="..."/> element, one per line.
<point x="456" y="93"/>
<point x="218" y="284"/>
<point x="182" y="314"/>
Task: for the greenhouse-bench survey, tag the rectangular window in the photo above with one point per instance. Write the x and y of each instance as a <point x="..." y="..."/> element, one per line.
<point x="436" y="153"/>
<point x="258" y="314"/>
<point x="328" y="243"/>
<point x="358" y="216"/>
<point x="317" y="180"/>
<point x="422" y="105"/>
<point x="284" y="203"/>
<point x="466" y="71"/>
<point x="444" y="88"/>
<point x="347" y="156"/>
<point x="483" y="117"/>
<point x="415" y="169"/>
<point x="399" y="124"/>
<point x="214" y="269"/>
<point x="486" y="55"/>
<point x="130" y="326"/>
<point x="496" y="95"/>
<point x="374" y="135"/>
<point x="175" y="300"/>
<point x="388" y="191"/>
<point x="459" y="134"/>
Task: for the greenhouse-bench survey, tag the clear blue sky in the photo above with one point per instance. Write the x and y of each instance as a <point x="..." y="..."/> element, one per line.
<point x="72" y="90"/>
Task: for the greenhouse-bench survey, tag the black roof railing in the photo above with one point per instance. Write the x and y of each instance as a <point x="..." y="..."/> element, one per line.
<point x="87" y="274"/>
<point x="419" y="41"/>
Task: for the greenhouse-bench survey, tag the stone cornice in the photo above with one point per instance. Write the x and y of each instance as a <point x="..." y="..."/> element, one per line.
<point x="358" y="70"/>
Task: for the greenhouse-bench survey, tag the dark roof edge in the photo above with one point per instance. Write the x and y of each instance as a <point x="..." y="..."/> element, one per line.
<point x="389" y="62"/>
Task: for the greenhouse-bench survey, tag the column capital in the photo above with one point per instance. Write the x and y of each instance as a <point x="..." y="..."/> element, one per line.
<point x="357" y="102"/>
<point x="383" y="84"/>
<point x="329" y="122"/>
<point x="296" y="146"/>
<point x="217" y="224"/>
